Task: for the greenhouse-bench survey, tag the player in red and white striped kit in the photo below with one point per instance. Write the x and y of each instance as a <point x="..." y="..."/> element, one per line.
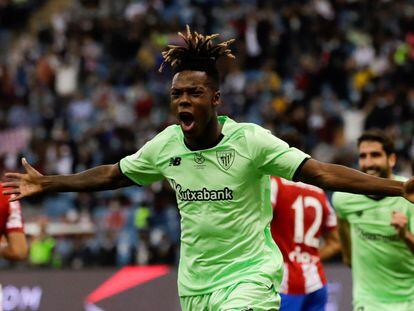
<point x="11" y="229"/>
<point x="301" y="215"/>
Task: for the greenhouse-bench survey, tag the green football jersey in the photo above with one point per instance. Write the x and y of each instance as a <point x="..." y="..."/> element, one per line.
<point x="223" y="194"/>
<point x="382" y="264"/>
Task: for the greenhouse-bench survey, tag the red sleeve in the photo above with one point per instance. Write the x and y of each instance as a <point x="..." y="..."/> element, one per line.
<point x="15" y="219"/>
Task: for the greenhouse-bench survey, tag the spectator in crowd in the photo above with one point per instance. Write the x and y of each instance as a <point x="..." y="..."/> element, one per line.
<point x="42" y="246"/>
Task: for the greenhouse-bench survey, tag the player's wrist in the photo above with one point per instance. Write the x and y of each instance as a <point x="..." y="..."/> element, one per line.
<point x="46" y="183"/>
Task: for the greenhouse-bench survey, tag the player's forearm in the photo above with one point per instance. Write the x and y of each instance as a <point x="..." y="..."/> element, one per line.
<point x="104" y="177"/>
<point x="332" y="245"/>
<point x="340" y="178"/>
<point x="13" y="253"/>
<point x="329" y="250"/>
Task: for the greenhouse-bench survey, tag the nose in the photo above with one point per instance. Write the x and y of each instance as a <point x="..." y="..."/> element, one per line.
<point x="184" y="104"/>
<point x="184" y="101"/>
<point x="367" y="162"/>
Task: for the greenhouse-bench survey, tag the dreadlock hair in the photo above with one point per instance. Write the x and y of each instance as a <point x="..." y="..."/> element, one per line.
<point x="198" y="54"/>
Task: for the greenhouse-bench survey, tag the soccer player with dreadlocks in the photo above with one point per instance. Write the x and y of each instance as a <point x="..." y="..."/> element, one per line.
<point x="220" y="171"/>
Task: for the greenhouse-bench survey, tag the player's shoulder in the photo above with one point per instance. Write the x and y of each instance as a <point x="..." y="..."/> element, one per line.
<point x="252" y="133"/>
<point x="343" y="196"/>
<point x="251" y="128"/>
<point x="167" y="138"/>
<point x="344" y="201"/>
<point x="167" y="134"/>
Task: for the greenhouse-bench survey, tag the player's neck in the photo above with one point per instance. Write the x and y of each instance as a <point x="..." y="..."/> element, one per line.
<point x="208" y="139"/>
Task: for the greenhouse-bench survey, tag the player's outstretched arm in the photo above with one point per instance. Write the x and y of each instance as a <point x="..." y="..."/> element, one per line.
<point x="104" y="177"/>
<point x="340" y="178"/>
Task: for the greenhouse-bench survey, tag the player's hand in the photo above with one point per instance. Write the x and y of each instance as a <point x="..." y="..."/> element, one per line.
<point x="23" y="185"/>
<point x="409" y="190"/>
<point x="399" y="221"/>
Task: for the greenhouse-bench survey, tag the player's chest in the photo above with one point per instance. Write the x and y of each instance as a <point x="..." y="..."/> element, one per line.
<point x="377" y="211"/>
<point x="225" y="165"/>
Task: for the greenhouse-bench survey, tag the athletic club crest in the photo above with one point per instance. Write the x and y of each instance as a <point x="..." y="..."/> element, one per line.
<point x="225" y="158"/>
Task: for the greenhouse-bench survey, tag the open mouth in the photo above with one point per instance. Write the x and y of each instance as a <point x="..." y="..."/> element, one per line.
<point x="186" y="121"/>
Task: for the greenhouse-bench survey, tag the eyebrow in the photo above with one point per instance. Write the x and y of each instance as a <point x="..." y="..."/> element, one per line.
<point x="371" y="152"/>
<point x="190" y="88"/>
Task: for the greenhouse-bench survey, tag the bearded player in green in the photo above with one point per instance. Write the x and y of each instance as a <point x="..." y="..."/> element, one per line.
<point x="376" y="234"/>
<point x="220" y="171"/>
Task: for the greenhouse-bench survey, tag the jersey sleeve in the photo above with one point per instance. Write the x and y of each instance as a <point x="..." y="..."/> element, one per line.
<point x="273" y="156"/>
<point x="15" y="219"/>
<point x="336" y="202"/>
<point x="141" y="167"/>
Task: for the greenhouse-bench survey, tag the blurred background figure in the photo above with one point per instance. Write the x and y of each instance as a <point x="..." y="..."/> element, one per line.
<point x="377" y="233"/>
<point x="42" y="246"/>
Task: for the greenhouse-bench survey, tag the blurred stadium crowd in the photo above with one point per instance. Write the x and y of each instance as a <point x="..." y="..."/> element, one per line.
<point x="83" y="90"/>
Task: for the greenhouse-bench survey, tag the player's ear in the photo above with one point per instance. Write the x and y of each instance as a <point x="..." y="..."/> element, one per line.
<point x="216" y="98"/>
<point x="392" y="160"/>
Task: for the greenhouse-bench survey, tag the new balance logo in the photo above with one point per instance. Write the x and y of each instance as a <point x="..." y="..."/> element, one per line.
<point x="175" y="161"/>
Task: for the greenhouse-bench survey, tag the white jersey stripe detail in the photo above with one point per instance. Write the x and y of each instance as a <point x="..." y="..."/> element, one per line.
<point x="312" y="278"/>
<point x="15" y="216"/>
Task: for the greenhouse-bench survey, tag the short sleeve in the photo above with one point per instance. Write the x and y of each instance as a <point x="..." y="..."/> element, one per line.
<point x="273" y="156"/>
<point x="140" y="167"/>
<point x="336" y="202"/>
<point x="15" y="218"/>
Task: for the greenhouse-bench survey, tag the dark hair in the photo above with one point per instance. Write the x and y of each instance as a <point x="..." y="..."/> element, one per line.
<point x="378" y="136"/>
<point x="198" y="54"/>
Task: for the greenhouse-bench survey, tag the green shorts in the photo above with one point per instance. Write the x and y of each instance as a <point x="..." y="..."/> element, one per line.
<point x="383" y="306"/>
<point x="238" y="297"/>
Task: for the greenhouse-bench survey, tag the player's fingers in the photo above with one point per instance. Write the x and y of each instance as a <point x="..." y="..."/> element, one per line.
<point x="29" y="169"/>
<point x="16" y="197"/>
<point x="27" y="166"/>
<point x="12" y="184"/>
<point x="11" y="191"/>
<point x="13" y="175"/>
